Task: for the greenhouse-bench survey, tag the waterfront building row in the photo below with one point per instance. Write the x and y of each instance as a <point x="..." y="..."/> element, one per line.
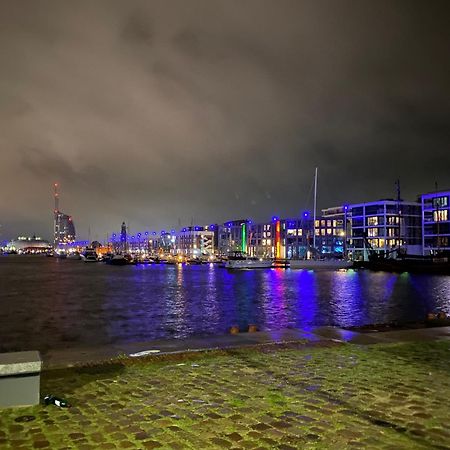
<point x="384" y="226"/>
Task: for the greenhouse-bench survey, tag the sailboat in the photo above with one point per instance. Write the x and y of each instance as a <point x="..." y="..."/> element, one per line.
<point x="316" y="263"/>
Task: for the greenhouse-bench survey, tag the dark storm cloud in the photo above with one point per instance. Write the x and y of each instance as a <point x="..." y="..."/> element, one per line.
<point x="41" y="163"/>
<point x="137" y="29"/>
<point x="160" y="113"/>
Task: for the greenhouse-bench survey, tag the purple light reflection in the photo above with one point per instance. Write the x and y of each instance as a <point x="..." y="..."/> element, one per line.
<point x="147" y="302"/>
<point x="306" y="305"/>
<point x="346" y="302"/>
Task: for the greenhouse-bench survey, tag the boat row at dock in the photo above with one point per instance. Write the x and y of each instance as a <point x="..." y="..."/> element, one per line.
<point x="241" y="261"/>
<point x="234" y="261"/>
<point x="90" y="256"/>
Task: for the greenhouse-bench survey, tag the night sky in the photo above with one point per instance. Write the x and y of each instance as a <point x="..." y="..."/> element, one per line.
<point x="171" y="112"/>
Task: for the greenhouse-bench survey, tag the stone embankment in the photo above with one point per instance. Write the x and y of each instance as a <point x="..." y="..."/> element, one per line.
<point x="336" y="389"/>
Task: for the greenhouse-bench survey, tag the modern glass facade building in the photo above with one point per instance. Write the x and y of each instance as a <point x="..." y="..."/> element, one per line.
<point x="232" y="236"/>
<point x="64" y="229"/>
<point x="299" y="237"/>
<point x="384" y="226"/>
<point x="331" y="231"/>
<point x="435" y="222"/>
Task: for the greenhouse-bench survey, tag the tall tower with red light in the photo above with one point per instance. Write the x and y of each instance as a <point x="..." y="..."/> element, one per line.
<point x="55" y="215"/>
<point x="63" y="226"/>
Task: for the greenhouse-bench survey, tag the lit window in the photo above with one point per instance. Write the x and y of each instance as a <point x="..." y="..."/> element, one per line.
<point x="334" y="223"/>
<point x="440" y="215"/>
<point x="391" y="232"/>
<point x="317" y="223"/>
<point x="322" y="231"/>
<point x="268" y="241"/>
<point x="328" y="231"/>
<point x="372" y="221"/>
<point x="439" y="202"/>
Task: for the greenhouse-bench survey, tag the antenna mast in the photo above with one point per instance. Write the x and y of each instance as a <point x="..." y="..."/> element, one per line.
<point x="397" y="187"/>
<point x="56" y="195"/>
<point x="55" y="215"/>
<point x="315" y="207"/>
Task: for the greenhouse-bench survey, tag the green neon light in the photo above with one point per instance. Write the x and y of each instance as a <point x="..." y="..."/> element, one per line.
<point x="244" y="239"/>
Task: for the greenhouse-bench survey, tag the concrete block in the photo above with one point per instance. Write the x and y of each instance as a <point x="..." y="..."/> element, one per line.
<point x="20" y="374"/>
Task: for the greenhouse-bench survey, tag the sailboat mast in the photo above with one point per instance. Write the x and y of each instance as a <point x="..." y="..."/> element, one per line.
<point x="315" y="208"/>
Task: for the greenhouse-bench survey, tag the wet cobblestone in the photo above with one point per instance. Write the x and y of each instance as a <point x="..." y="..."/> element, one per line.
<point x="381" y="397"/>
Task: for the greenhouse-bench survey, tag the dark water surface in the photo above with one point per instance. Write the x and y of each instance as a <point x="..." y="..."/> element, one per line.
<point x="50" y="303"/>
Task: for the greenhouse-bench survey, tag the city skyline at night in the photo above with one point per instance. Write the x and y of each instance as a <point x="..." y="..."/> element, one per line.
<point x="165" y="114"/>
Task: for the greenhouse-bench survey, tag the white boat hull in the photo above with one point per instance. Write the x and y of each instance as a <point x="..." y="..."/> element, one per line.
<point x="89" y="258"/>
<point x="74" y="256"/>
<point x="313" y="264"/>
<point x="248" y="264"/>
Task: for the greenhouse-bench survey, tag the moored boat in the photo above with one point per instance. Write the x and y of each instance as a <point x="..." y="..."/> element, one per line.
<point x="410" y="263"/>
<point x="74" y="255"/>
<point x="320" y="264"/>
<point x="240" y="261"/>
<point x="90" y="255"/>
<point x="117" y="260"/>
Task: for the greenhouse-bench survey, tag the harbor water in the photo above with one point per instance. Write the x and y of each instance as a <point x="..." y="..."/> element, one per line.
<point x="48" y="303"/>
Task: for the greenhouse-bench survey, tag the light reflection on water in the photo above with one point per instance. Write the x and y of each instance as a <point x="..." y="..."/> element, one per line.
<point x="50" y="303"/>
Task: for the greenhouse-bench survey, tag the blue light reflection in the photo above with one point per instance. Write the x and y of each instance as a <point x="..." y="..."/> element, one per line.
<point x="155" y="301"/>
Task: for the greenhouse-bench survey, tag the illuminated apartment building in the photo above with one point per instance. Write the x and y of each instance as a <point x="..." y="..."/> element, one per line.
<point x="268" y="239"/>
<point x="435" y="222"/>
<point x="384" y="226"/>
<point x="195" y="242"/>
<point x="232" y="236"/>
<point x="331" y="232"/>
<point x="299" y="236"/>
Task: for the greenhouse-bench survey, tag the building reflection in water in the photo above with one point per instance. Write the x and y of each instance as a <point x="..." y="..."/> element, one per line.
<point x="176" y="319"/>
<point x="307" y="304"/>
<point x="210" y="301"/>
<point x="347" y="303"/>
<point x="433" y="291"/>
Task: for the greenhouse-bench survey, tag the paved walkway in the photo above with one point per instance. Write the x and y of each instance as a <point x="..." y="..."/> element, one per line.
<point x="85" y="356"/>
<point x="312" y="392"/>
<point x="88" y="356"/>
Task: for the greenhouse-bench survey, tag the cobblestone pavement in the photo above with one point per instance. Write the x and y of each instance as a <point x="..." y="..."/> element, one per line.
<point x="388" y="396"/>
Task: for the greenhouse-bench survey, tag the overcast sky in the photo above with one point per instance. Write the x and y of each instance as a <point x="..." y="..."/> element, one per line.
<point x="165" y="112"/>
